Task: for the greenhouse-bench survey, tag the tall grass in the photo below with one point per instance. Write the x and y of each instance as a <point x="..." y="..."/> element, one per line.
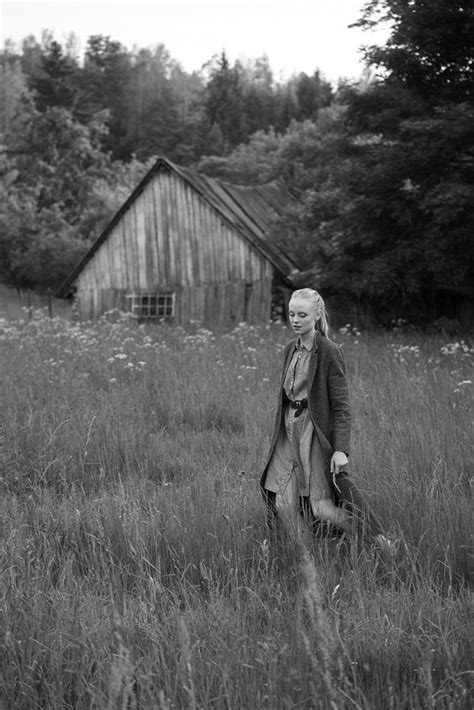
<point x="136" y="568"/>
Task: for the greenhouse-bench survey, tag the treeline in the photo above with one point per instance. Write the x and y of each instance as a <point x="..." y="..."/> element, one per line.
<point x="383" y="170"/>
<point x="153" y="107"/>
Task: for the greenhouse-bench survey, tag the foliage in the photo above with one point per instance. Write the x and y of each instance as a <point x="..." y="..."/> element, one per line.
<point x="58" y="188"/>
<point x="430" y="49"/>
<point x="223" y="99"/>
<point x="252" y="163"/>
<point x="242" y="101"/>
<point x="387" y="185"/>
<point x="37" y="247"/>
<point x="153" y="106"/>
<point x="53" y="81"/>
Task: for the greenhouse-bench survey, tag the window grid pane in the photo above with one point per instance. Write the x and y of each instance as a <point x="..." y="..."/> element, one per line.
<point x="152" y="305"/>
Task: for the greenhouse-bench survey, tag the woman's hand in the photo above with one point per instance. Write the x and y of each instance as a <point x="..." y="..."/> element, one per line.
<point x="338" y="461"/>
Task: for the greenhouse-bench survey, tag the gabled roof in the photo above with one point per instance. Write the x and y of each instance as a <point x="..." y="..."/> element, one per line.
<point x="249" y="210"/>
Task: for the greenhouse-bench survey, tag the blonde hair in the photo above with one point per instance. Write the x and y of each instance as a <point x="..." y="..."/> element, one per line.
<point x="313" y="297"/>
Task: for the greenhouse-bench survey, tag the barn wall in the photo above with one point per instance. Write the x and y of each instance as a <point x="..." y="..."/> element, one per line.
<point x="171" y="240"/>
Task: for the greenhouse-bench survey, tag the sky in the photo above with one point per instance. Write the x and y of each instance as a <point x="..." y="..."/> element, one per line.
<point x="296" y="35"/>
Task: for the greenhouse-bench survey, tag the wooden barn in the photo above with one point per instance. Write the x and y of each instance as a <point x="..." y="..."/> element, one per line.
<point x="186" y="247"/>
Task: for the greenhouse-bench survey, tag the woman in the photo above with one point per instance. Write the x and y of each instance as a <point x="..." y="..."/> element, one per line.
<point x="305" y="469"/>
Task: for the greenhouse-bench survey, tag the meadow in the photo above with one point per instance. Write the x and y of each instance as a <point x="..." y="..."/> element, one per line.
<point x="136" y="569"/>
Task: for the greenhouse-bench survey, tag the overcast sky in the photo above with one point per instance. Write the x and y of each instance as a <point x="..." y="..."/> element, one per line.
<point x="296" y="35"/>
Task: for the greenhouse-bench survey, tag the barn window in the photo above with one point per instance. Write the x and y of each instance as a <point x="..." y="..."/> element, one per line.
<point x="148" y="305"/>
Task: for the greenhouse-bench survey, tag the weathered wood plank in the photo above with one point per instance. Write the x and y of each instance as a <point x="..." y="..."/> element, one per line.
<point x="137" y="238"/>
<point x="150" y="254"/>
<point x="123" y="273"/>
<point x="198" y="238"/>
<point x="203" y="226"/>
<point x="130" y="260"/>
<point x="193" y="237"/>
<point x="179" y="233"/>
<point x="168" y="235"/>
<point x="173" y="232"/>
<point x="160" y="245"/>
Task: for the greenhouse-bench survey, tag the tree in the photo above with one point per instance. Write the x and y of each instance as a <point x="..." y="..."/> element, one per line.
<point x="16" y="102"/>
<point x="258" y="107"/>
<point x="387" y="188"/>
<point x="224" y="101"/>
<point x="53" y="80"/>
<point x="188" y="91"/>
<point x="431" y="46"/>
<point x="286" y="106"/>
<point x="152" y="113"/>
<point x="50" y="171"/>
<point x="312" y="94"/>
<point x="104" y="83"/>
<point x="37" y="247"/>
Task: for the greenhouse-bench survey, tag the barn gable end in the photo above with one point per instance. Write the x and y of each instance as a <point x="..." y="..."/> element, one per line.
<point x="186" y="246"/>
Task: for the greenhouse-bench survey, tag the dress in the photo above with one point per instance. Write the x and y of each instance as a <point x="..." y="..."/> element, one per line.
<point x="300" y="451"/>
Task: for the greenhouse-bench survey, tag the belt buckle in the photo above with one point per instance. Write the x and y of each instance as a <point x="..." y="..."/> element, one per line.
<point x="299" y="407"/>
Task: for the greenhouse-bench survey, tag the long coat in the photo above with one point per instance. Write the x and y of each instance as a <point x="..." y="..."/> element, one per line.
<point x="328" y="397"/>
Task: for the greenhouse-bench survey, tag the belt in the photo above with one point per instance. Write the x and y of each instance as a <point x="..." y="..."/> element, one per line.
<point x="298" y="404"/>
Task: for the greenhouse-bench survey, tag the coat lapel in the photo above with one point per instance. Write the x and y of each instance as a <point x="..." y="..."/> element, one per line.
<point x="289" y="355"/>
<point x="313" y="362"/>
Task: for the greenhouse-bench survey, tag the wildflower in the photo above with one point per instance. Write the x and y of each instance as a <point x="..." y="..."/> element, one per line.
<point x="350" y="330"/>
<point x="458" y="348"/>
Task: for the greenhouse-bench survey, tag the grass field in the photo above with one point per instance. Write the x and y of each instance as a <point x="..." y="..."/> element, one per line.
<point x="135" y="566"/>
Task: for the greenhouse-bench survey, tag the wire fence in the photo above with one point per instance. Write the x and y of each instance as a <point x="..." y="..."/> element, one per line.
<point x="21" y="304"/>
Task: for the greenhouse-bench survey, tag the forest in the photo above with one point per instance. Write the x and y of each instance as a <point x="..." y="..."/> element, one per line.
<point x="382" y="169"/>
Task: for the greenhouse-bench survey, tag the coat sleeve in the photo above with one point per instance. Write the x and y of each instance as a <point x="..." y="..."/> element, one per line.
<point x="278" y="415"/>
<point x="340" y="403"/>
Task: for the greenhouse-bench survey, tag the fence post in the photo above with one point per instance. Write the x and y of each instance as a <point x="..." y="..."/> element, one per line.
<point x="50" y="304"/>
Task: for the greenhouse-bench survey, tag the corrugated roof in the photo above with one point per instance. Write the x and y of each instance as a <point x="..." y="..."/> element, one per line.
<point x="250" y="210"/>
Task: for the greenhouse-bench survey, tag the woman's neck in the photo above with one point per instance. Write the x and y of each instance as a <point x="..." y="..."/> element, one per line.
<point x="308" y="339"/>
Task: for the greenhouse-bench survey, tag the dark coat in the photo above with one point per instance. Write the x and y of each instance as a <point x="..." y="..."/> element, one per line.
<point x="328" y="395"/>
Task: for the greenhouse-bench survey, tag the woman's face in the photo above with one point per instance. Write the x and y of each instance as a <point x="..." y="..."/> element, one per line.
<point x="303" y="316"/>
